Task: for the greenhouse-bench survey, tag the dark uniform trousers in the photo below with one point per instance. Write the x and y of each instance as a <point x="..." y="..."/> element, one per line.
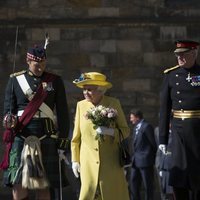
<point x="184" y="194"/>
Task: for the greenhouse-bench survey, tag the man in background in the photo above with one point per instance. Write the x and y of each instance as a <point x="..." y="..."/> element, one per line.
<point x="143" y="158"/>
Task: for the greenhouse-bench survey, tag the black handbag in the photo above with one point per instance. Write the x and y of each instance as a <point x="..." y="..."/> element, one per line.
<point x="124" y="155"/>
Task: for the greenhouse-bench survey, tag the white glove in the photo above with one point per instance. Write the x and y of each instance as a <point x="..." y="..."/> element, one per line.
<point x="102" y="130"/>
<point x="160" y="173"/>
<point x="62" y="156"/>
<point x="76" y="169"/>
<point x="163" y="148"/>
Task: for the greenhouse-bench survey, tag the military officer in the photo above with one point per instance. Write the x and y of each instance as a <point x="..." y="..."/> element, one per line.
<point x="180" y="95"/>
<point x="33" y="158"/>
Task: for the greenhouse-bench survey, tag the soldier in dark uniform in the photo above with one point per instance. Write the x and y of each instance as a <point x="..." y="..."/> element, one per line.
<point x="181" y="95"/>
<point x="33" y="163"/>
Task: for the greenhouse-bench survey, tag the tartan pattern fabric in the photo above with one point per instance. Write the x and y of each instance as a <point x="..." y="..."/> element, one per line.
<point x="50" y="161"/>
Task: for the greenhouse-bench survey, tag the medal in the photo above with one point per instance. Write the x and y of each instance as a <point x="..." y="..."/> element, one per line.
<point x="47" y="86"/>
<point x="193" y="80"/>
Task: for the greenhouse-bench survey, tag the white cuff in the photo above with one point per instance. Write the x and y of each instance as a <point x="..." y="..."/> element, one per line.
<point x="102" y="130"/>
<point x="163" y="148"/>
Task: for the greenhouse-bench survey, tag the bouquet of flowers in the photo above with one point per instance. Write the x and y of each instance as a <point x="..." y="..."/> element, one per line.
<point x="102" y="116"/>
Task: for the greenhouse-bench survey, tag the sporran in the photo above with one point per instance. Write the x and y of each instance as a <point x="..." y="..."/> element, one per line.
<point x="31" y="167"/>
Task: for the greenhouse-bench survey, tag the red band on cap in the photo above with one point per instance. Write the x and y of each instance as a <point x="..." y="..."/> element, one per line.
<point x="186" y="45"/>
<point x="35" y="58"/>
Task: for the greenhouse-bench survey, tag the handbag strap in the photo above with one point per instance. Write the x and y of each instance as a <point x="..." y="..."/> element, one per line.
<point x="121" y="143"/>
<point x="121" y="136"/>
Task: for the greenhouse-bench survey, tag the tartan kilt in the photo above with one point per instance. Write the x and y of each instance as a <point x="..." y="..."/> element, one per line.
<point x="50" y="160"/>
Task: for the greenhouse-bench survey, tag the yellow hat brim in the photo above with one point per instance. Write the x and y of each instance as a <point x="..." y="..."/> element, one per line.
<point x="80" y="84"/>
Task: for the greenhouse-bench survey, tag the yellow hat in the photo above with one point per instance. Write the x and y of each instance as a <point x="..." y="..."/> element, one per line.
<point x="92" y="78"/>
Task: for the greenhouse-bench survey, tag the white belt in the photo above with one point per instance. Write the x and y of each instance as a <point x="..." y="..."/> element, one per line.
<point x="38" y="114"/>
<point x="41" y="138"/>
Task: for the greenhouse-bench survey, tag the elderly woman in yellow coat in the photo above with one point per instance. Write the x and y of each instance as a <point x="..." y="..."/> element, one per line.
<point x="97" y="162"/>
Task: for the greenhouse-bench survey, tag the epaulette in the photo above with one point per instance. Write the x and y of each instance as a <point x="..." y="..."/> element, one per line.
<point x="18" y="73"/>
<point x="170" y="69"/>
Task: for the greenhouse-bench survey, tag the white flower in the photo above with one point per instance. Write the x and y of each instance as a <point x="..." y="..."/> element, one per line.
<point x="101" y="116"/>
<point x="93" y="112"/>
<point x="100" y="107"/>
<point x="103" y="112"/>
<point x="110" y="115"/>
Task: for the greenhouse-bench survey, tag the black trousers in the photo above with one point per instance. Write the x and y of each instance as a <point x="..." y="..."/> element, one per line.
<point x="139" y="175"/>
<point x="185" y="194"/>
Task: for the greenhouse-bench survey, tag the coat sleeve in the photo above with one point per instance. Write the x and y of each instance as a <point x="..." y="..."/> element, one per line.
<point x="149" y="132"/>
<point x="76" y="139"/>
<point x="121" y="121"/>
<point x="62" y="114"/>
<point x="165" y="111"/>
<point x="10" y="102"/>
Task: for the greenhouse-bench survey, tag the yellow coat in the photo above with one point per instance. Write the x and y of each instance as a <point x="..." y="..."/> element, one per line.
<point x="99" y="162"/>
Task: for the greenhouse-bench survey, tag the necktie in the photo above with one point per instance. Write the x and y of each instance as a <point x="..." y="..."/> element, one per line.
<point x="137" y="130"/>
<point x="136" y="133"/>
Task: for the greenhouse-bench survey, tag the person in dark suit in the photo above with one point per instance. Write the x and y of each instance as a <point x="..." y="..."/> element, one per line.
<point x="180" y="94"/>
<point x="34" y="133"/>
<point x="143" y="158"/>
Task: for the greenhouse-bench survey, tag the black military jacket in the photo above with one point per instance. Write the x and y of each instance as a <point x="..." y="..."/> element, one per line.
<point x="180" y="91"/>
<point x="15" y="99"/>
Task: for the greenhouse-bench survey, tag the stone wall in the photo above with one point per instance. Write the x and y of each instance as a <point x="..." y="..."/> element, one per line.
<point x="131" y="41"/>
